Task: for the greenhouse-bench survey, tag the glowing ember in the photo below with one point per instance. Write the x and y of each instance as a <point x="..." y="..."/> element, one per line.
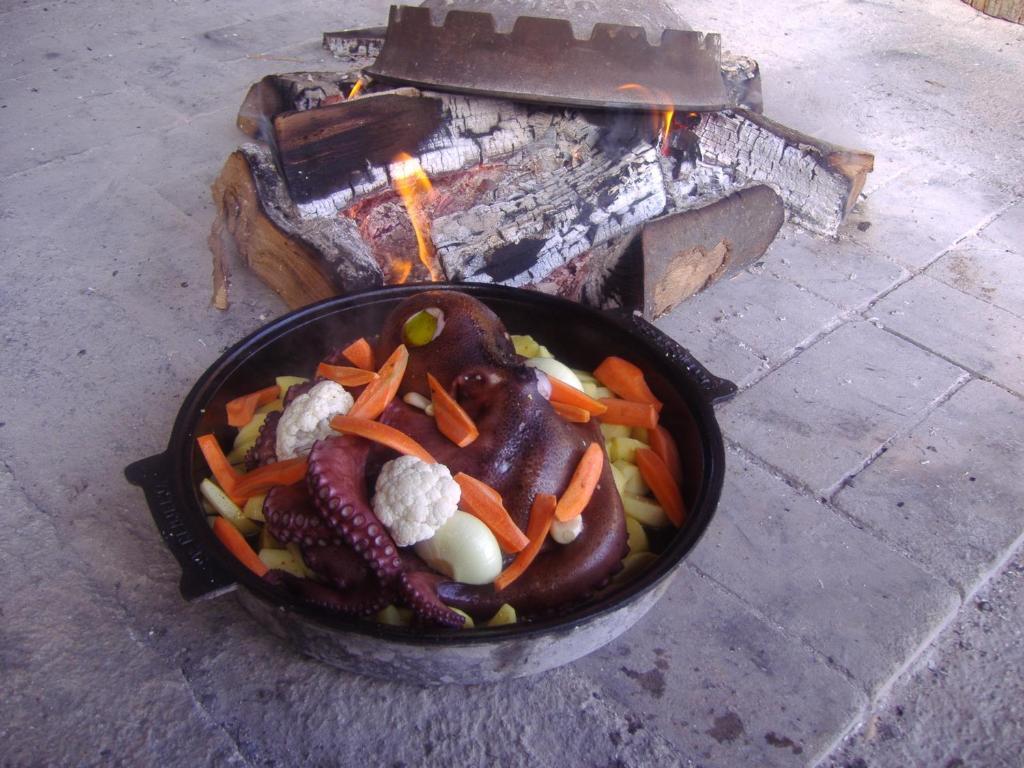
<point x="357" y="88"/>
<point x="414" y="188"/>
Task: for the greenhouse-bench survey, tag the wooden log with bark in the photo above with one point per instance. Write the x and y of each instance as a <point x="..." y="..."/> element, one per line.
<point x="524" y="195"/>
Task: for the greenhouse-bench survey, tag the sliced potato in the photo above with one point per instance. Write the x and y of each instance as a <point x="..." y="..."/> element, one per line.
<point x="226" y="508"/>
<point x="287" y="382"/>
<point x="644" y="510"/>
<point x="267" y="540"/>
<point x="469" y="619"/>
<point x="637" y="536"/>
<point x="639" y="433"/>
<point x="596" y="391"/>
<point x="505" y="615"/>
<point x="634" y="480"/>
<point x="543" y="351"/>
<point x="624" y="449"/>
<point x="633" y="564"/>
<point x="274" y="405"/>
<point x="250" y="431"/>
<point x="614" y="430"/>
<point x="237" y="455"/>
<point x="619" y="478"/>
<point x="557" y="370"/>
<point x="395" y="616"/>
<point x="526" y="346"/>
<point x="253" y="508"/>
<point x="284" y="560"/>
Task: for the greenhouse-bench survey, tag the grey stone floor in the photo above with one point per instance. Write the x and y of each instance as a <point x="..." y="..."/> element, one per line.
<point x="875" y="449"/>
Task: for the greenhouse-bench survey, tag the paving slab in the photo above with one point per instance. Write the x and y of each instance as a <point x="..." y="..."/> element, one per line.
<point x="919" y="214"/>
<point x="841" y="271"/>
<point x="826" y="412"/>
<point x="718" y="350"/>
<point x="768" y="316"/>
<point x="282" y="708"/>
<point x="1008" y="228"/>
<point x="962" y="705"/>
<point x="979" y="336"/>
<point x="809" y="570"/>
<point x="79" y="688"/>
<point x="723" y="685"/>
<point x="985" y="270"/>
<point x="947" y="492"/>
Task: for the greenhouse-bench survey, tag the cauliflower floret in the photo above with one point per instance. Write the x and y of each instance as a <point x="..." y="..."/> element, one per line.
<point x="414" y="498"/>
<point x="308" y="418"/>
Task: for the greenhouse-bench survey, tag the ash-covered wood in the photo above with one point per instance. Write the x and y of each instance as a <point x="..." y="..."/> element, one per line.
<point x="255" y="224"/>
<point x="319" y="149"/>
<point x="818" y="182"/>
<point x="539" y="196"/>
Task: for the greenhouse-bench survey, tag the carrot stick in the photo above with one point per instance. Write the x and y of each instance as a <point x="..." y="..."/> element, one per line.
<point x="262" y="479"/>
<point x="360" y="354"/>
<point x="569" y="395"/>
<point x="541" y="516"/>
<point x="628" y="413"/>
<point x="383" y="434"/>
<point x="452" y="421"/>
<point x="658" y="477"/>
<point x="223" y="472"/>
<point x="663" y="445"/>
<point x="347" y="377"/>
<point x="382" y="390"/>
<point x="483" y="502"/>
<point x="572" y="413"/>
<point x="242" y="409"/>
<point x="625" y="380"/>
<point x="582" y="484"/>
<point x="238" y="546"/>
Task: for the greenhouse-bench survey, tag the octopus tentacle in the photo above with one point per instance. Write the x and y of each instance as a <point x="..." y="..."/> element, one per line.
<point x="419" y="589"/>
<point x="362" y="602"/>
<point x="338" y="564"/>
<point x="291" y="517"/>
<point x="265" y="449"/>
<point x="298" y="389"/>
<point x="337" y="481"/>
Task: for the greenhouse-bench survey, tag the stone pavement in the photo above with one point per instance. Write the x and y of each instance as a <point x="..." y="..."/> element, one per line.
<point x="875" y="450"/>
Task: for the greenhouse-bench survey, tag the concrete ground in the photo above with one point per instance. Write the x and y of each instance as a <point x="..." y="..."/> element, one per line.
<point x="875" y="451"/>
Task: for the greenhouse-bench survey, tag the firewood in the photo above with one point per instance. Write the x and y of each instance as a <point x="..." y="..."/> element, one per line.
<point x="685" y="252"/>
<point x="535" y="196"/>
<point x="1011" y="10"/>
<point x="319" y="149"/>
<point x="251" y="226"/>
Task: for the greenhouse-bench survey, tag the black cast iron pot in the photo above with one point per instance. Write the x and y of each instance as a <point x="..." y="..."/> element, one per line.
<point x="577" y="335"/>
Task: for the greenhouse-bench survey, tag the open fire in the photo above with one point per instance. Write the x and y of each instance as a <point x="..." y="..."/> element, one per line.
<point x="358" y="175"/>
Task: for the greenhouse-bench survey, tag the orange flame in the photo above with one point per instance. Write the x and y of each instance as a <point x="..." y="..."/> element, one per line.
<point x="357" y="88"/>
<point x="400" y="269"/>
<point x="413" y="186"/>
<point x="661" y="118"/>
<point x="666" y="131"/>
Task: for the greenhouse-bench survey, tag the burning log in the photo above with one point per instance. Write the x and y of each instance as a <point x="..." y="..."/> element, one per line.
<point x="524" y="195"/>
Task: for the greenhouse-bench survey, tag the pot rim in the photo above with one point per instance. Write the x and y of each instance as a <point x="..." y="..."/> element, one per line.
<point x="659" y="347"/>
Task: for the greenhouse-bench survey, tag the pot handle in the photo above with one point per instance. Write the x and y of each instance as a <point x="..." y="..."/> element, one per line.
<point x="717" y="389"/>
<point x="200" y="576"/>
